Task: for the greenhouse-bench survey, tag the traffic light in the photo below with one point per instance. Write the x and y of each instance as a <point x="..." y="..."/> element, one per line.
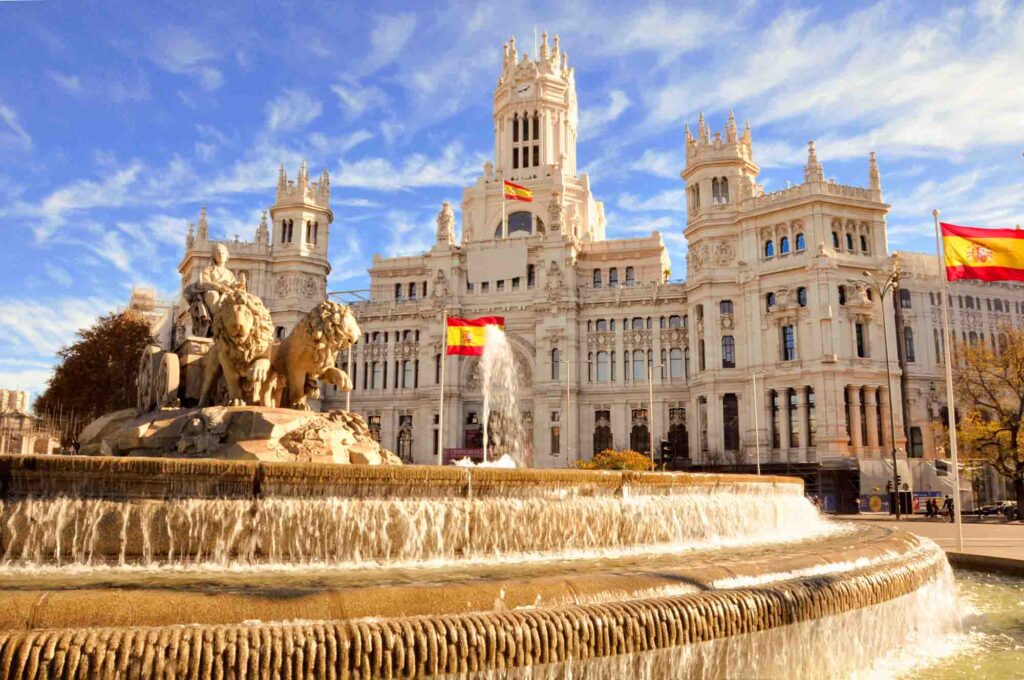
<point x="666" y="452"/>
<point x="888" y="486"/>
<point x="898" y="481"/>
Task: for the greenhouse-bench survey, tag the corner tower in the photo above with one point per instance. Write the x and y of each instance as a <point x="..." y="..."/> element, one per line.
<point x="719" y="172"/>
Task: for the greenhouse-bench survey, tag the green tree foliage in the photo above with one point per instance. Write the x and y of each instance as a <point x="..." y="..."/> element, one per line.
<point x="97" y="373"/>
<point x="990" y="398"/>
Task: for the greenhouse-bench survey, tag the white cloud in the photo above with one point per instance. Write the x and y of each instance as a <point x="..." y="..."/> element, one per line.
<point x="356" y="98"/>
<point x="180" y="51"/>
<point x="68" y="82"/>
<point x="593" y="119"/>
<point x="57" y="274"/>
<point x="38" y="328"/>
<point x="292" y="109"/>
<point x="408" y="234"/>
<point x="14" y="134"/>
<point x="451" y="168"/>
<point x="673" y="200"/>
<point x="84" y="195"/>
<point x="387" y="40"/>
<point x="660" y="163"/>
<point x="205" y="151"/>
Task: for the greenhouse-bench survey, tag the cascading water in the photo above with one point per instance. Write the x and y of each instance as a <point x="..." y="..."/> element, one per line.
<point x="499" y="383"/>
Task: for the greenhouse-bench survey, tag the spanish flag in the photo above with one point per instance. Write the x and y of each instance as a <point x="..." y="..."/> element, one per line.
<point x="514" y="192"/>
<point x="467" y="336"/>
<point x="983" y="254"/>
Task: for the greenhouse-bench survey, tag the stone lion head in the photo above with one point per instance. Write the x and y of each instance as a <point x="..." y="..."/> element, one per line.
<point x="242" y="324"/>
<point x="332" y="327"/>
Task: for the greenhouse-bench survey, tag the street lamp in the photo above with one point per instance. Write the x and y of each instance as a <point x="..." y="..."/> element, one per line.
<point x="650" y="396"/>
<point x="568" y="406"/>
<point x="884" y="287"/>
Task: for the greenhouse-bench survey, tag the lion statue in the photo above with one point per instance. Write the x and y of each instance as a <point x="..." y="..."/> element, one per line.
<point x="242" y="335"/>
<point x="310" y="353"/>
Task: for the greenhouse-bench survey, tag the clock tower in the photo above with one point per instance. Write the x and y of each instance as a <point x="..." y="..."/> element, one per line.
<point x="535" y="112"/>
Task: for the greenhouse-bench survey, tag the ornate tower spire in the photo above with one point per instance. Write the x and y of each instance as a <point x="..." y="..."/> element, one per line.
<point x="204" y="228"/>
<point x="874" y="176"/>
<point x="746" y="134"/>
<point x="262" y="234"/>
<point x="302" y="181"/>
<point x="703" y="133"/>
<point x="689" y="135"/>
<point x="545" y="52"/>
<point x="190" y="238"/>
<point x="813" y="171"/>
<point x="731" y="134"/>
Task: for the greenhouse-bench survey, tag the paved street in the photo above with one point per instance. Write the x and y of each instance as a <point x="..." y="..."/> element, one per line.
<point x="995" y="539"/>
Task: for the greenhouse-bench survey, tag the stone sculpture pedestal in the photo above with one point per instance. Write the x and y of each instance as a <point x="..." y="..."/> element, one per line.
<point x="237" y="433"/>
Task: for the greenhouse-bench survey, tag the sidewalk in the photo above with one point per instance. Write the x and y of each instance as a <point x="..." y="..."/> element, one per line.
<point x="1001" y="540"/>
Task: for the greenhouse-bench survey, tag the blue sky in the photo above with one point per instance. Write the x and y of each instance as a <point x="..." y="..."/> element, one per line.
<point x="119" y="120"/>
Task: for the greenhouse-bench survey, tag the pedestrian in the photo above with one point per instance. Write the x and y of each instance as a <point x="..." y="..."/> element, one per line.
<point x="948" y="507"/>
<point x="932" y="508"/>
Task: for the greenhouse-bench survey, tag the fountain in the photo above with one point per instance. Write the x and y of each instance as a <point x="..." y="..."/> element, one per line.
<point x="244" y="540"/>
<point x="499" y="383"/>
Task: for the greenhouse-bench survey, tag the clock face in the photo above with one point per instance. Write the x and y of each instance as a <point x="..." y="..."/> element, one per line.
<point x="523" y="91"/>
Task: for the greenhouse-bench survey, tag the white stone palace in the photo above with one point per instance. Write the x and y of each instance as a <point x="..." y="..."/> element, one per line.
<point x="775" y="296"/>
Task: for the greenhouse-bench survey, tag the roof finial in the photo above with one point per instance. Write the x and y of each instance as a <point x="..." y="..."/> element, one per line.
<point x="731" y="135"/>
<point x="874" y="176"/>
<point x="813" y="171"/>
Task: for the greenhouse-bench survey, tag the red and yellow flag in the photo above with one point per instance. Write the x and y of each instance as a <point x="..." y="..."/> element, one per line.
<point x="468" y="336"/>
<point x="514" y="192"/>
<point x="983" y="254"/>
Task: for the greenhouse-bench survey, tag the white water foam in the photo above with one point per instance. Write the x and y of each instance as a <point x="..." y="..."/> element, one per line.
<point x="505" y="432"/>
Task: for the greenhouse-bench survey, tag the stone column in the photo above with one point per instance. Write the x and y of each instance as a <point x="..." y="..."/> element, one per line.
<point x="784" y="442"/>
<point x="883" y="404"/>
<point x="856" y="444"/>
<point x="801" y="409"/>
<point x="871" y="415"/>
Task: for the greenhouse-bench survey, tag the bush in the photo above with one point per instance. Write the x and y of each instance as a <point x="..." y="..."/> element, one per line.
<point x="610" y="459"/>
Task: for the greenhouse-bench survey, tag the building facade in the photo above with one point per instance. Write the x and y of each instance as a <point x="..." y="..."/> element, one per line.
<point x="774" y="346"/>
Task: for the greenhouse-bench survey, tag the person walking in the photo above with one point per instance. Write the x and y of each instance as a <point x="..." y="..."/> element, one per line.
<point x="948" y="507"/>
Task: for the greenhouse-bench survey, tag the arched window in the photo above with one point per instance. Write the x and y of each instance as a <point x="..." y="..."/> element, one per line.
<point x="723" y="187"/>
<point x="613" y="278"/>
<point x="863" y="243"/>
<point x="686" y="321"/>
<point x="412" y="290"/>
<point x="408" y="375"/>
<point x="716" y="196"/>
<point x="519" y="221"/>
<point x="675" y="363"/>
<point x="769" y="248"/>
<point x="801" y="296"/>
<point x="630" y="276"/>
<point x="908" y="343"/>
<point x="556" y="358"/>
<point x="842" y="295"/>
<point x="398" y="291"/>
<point x="597" y="278"/>
<point x="673" y="321"/>
<point x="701" y="365"/>
<point x="638" y="323"/>
<point x="686" y="363"/>
<point x="769" y="301"/>
<point x="515" y="128"/>
<point x="800" y="242"/>
<point x="784" y="245"/>
<point x="835" y="240"/>
<point x="728" y="352"/>
<point x="725" y="307"/>
<point x="536" y="126"/>
<point x="602" y="325"/>
<point x="849" y="242"/>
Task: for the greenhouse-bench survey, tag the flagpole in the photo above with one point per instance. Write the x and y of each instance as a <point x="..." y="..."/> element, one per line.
<point x="940" y="250"/>
<point x="440" y="408"/>
<point x="504" y="216"/>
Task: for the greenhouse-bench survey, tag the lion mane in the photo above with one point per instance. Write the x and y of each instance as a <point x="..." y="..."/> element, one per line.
<point x="245" y="352"/>
<point x="324" y="333"/>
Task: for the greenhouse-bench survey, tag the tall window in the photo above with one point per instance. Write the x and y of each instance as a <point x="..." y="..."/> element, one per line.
<point x="674" y="321"/>
<point x="728" y="352"/>
<point x="863" y="244"/>
<point x="835" y="240"/>
<point x="908" y="343"/>
<point x="700" y="355"/>
<point x="731" y="422"/>
<point x="788" y="343"/>
<point x="686" y="363"/>
<point x="794" y="420"/>
<point x="784" y="245"/>
<point x="849" y="242"/>
<point x="408" y="374"/>
<point x="437" y="369"/>
<point x="556" y="357"/>
<point x="531" y="276"/>
<point x="602" y="430"/>
<point x="639" y="370"/>
<point x="398" y="291"/>
<point x="842" y="295"/>
<point x="810" y="416"/>
<point x="412" y="291"/>
<point x="801" y="243"/>
<point x="801" y="296"/>
<point x="597" y="278"/>
<point x="916" y="443"/>
<point x="769" y="301"/>
<point x="725" y="307"/>
<point x="769" y="248"/>
<point x="603" y="367"/>
<point x="862" y="348"/>
<point x="378" y="375"/>
<point x="776" y="432"/>
<point x="630" y="276"/>
<point x="405" y="438"/>
<point x="602" y="325"/>
<point x="637" y="323"/>
<point x="613" y="278"/>
<point x="556" y="435"/>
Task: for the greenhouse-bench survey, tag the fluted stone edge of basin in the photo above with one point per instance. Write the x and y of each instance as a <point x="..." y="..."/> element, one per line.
<point x="454" y="644"/>
<point x="136" y="477"/>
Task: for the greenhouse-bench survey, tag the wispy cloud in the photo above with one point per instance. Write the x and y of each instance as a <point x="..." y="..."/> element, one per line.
<point x="292" y="109"/>
<point x="11" y="131"/>
<point x="594" y="119"/>
<point x="387" y="40"/>
<point x="181" y="51"/>
<point x="450" y="168"/>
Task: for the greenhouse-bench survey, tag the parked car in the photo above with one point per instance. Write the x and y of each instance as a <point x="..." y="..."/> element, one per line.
<point x="1010" y="511"/>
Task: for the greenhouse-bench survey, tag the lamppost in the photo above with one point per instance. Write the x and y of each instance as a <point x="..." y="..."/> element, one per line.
<point x="884" y="287"/>
<point x="568" y="407"/>
<point x="650" y="397"/>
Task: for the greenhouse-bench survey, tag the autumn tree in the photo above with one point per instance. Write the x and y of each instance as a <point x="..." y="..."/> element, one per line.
<point x="97" y="373"/>
<point x="990" y="401"/>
